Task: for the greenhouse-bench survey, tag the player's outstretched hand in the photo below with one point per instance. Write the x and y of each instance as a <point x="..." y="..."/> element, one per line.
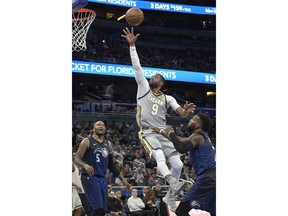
<point x="168" y="129"/>
<point x="129" y="35"/>
<point x="164" y="132"/>
<point x="189" y="107"/>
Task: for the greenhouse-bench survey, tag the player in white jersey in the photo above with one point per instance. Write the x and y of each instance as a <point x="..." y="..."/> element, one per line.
<point x="152" y="107"/>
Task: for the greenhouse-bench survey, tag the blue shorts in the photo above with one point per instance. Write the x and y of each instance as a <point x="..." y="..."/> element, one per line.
<point x="202" y="194"/>
<point x="96" y="191"/>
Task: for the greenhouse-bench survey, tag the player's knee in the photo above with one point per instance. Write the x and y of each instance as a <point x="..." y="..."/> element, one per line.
<point x="176" y="162"/>
<point x="159" y="156"/>
<point x="177" y="166"/>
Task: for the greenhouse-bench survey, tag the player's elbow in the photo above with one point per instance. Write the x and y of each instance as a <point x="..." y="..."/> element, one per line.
<point x="180" y="111"/>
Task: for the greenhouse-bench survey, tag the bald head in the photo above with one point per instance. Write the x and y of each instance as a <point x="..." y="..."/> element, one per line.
<point x="99" y="128"/>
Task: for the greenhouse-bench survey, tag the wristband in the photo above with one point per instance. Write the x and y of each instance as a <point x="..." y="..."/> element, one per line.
<point x="85" y="166"/>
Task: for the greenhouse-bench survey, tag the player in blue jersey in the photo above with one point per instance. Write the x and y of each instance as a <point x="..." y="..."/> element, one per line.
<point x="94" y="156"/>
<point x="202" y="194"/>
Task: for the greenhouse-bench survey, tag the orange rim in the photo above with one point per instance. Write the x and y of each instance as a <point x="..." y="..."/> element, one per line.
<point x="92" y="14"/>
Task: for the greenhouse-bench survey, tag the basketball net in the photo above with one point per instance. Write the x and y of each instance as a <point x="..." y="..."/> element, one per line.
<point x="81" y="21"/>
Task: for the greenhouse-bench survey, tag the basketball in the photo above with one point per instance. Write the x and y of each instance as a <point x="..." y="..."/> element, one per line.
<point x="134" y="16"/>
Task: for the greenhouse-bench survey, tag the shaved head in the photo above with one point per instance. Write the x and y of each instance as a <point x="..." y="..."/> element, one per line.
<point x="99" y="128"/>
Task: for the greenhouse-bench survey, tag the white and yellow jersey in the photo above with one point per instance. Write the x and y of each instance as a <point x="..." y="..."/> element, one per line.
<point x="151" y="108"/>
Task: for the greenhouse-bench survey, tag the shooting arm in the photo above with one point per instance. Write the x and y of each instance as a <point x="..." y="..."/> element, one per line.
<point x="143" y="85"/>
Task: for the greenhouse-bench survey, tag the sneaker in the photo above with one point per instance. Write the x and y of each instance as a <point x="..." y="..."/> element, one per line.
<point x="170" y="202"/>
<point x="176" y="187"/>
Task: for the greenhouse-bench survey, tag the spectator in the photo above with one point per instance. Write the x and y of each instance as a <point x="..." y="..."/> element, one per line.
<point x="136" y="180"/>
<point x="129" y="156"/>
<point x="110" y="91"/>
<point x="140" y="172"/>
<point x="151" y="181"/>
<point x="144" y="192"/>
<point x="151" y="203"/>
<point x="186" y="173"/>
<point x="121" y="197"/>
<point x="127" y="171"/>
<point x="159" y="193"/>
<point x="81" y="136"/>
<point x="186" y="161"/>
<point x="114" y="206"/>
<point x="138" y="158"/>
<point x="150" y="162"/>
<point x="136" y="205"/>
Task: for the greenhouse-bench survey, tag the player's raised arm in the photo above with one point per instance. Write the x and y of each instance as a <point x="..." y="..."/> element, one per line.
<point x="130" y="37"/>
<point x="143" y="85"/>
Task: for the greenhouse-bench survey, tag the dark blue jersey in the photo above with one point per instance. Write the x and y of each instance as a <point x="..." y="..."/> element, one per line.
<point x="97" y="156"/>
<point x="203" y="158"/>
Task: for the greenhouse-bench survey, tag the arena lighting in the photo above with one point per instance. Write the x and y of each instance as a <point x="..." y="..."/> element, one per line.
<point x="210" y="93"/>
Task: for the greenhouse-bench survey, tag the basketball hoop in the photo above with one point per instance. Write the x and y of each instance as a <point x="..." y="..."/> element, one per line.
<point x="81" y="21"/>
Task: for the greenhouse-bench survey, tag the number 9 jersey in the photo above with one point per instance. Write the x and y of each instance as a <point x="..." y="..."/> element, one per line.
<point x="152" y="109"/>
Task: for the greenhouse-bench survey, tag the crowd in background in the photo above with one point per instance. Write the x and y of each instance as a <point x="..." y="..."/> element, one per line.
<point x="155" y="50"/>
<point x="97" y="91"/>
